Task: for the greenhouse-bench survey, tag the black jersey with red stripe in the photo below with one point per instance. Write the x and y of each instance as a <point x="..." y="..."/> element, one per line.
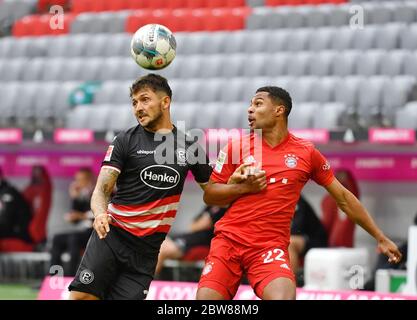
<point x="152" y="168"/>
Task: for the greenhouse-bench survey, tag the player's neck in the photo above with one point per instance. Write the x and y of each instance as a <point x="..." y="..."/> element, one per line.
<point x="275" y="136"/>
<point x="162" y="127"/>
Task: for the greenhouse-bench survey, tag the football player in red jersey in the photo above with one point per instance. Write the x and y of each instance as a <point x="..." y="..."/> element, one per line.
<point x="253" y="236"/>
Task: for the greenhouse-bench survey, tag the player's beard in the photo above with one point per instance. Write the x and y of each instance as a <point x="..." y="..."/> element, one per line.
<point x="154" y="122"/>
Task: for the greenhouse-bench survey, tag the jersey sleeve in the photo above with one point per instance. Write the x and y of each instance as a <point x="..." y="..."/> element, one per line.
<point x="117" y="152"/>
<point x="200" y="168"/>
<point x="224" y="166"/>
<point x="321" y="171"/>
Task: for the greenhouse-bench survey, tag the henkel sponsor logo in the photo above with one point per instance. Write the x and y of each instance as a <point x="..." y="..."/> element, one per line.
<point x="73" y="135"/>
<point x="313" y="135"/>
<point x="11" y="135"/>
<point x="160" y="177"/>
<point x="391" y="135"/>
<point x="374" y="163"/>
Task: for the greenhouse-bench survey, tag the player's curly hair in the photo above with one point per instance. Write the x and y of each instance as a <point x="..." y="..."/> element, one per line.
<point x="279" y="96"/>
<point x="153" y="81"/>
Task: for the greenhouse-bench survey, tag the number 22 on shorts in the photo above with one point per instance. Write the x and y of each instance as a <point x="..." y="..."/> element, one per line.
<point x="273" y="255"/>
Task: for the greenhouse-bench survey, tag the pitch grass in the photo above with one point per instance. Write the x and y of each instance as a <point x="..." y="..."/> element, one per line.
<point x="17" y="292"/>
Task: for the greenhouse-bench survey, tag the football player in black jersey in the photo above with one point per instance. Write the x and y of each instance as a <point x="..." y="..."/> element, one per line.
<point x="129" y="227"/>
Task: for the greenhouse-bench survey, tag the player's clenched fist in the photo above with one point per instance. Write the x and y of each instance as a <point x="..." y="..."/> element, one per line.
<point x="101" y="225"/>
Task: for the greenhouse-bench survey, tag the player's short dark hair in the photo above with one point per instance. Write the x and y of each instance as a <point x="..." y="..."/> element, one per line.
<point x="153" y="81"/>
<point x="279" y="96"/>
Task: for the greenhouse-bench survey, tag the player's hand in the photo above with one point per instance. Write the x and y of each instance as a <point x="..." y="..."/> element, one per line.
<point x="387" y="247"/>
<point x="240" y="174"/>
<point x="256" y="183"/>
<point x="101" y="225"/>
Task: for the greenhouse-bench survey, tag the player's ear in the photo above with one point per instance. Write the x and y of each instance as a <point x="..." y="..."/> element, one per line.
<point x="280" y="110"/>
<point x="166" y="101"/>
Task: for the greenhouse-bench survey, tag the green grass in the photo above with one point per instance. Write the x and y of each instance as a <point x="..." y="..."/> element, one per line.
<point x="17" y="292"/>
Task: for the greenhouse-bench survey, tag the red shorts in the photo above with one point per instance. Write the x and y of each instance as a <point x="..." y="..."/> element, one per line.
<point x="229" y="260"/>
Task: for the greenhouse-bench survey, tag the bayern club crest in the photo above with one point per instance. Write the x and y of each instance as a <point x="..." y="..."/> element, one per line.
<point x="291" y="160"/>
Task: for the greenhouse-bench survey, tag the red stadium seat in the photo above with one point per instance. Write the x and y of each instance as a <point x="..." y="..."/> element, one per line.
<point x="216" y="4"/>
<point x="44" y="5"/>
<point x="79" y="6"/>
<point x="22" y="27"/>
<point x="195" y="20"/>
<point x="175" y="4"/>
<point x="39" y="195"/>
<point x="235" y="3"/>
<point x="117" y="5"/>
<point x="138" y="19"/>
<point x="138" y="4"/>
<point x="196" y="253"/>
<point x="196" y="4"/>
<point x="40" y="25"/>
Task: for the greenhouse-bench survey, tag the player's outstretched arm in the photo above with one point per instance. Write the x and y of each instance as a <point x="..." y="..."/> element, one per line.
<point x="100" y="199"/>
<point x="221" y="194"/>
<point x="354" y="209"/>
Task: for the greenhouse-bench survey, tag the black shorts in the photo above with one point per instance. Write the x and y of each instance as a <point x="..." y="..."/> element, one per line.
<point x="188" y="241"/>
<point x="112" y="270"/>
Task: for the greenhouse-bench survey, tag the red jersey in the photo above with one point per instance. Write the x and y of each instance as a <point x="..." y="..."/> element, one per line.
<point x="256" y="219"/>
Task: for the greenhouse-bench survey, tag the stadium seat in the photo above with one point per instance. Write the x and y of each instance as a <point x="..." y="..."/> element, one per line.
<point x="405" y="12"/>
<point x="98" y="118"/>
<point x="235" y="44"/>
<point x="298" y="63"/>
<point x="407" y="117"/>
<point x="233" y="67"/>
<point x="410" y="63"/>
<point x="364" y="39"/>
<point x="6" y="46"/>
<point x="317" y="17"/>
<point x="302" y="115"/>
<point x="300" y="88"/>
<point x="120" y="118"/>
<point x="210" y="65"/>
<point x="233" y="90"/>
<point x="250" y="87"/>
<point x="299" y="40"/>
<point x="341" y="39"/>
<point x="321" y="63"/>
<point x="258" y="19"/>
<point x="76" y="45"/>
<point x="388" y="36"/>
<point x="229" y="115"/>
<point x="187" y="91"/>
<point x="278" y="41"/>
<point x="320" y="39"/>
<point x="13" y="70"/>
<point x="33" y="69"/>
<point x="392" y="62"/>
<point x="208" y="114"/>
<point x="256" y="41"/>
<point x="277" y="64"/>
<point x="344" y="63"/>
<point x="381" y="14"/>
<point x="323" y="91"/>
<point x="370" y="98"/>
<point x="54" y="70"/>
<point x="339" y="16"/>
<point x="395" y="95"/>
<point x="257" y="67"/>
<point x="329" y="116"/>
<point x="408" y="37"/>
<point x="10" y="93"/>
<point x="347" y="91"/>
<point x="368" y="63"/>
<point x="78" y="117"/>
<point x="184" y="112"/>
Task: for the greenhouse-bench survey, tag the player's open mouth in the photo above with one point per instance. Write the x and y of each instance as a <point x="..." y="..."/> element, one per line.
<point x="251" y="121"/>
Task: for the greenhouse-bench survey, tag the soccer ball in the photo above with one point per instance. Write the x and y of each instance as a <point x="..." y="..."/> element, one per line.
<point x="153" y="46"/>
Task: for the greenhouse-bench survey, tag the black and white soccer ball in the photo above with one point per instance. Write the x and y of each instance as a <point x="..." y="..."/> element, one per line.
<point x="153" y="46"/>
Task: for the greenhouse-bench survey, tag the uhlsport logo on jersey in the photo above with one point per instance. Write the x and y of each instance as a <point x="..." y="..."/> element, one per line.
<point x="291" y="160"/>
<point x="160" y="177"/>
